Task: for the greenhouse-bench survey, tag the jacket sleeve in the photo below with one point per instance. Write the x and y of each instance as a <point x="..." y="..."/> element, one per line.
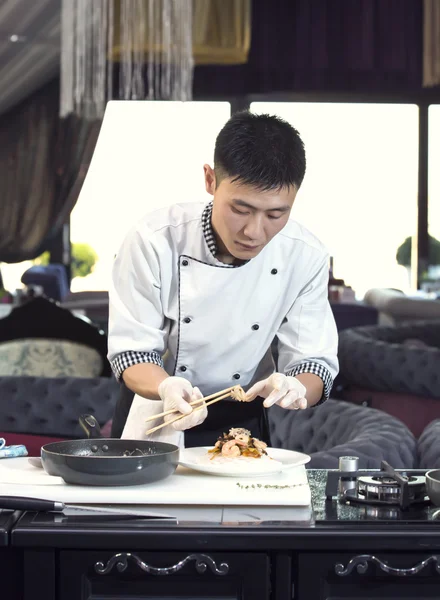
<point x="308" y="338"/>
<point x="137" y="330"/>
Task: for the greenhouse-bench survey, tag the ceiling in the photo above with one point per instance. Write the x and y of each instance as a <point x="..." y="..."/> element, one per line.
<point x="34" y="57"/>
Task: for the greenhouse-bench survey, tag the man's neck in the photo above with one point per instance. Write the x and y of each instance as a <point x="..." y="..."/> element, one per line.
<point x="223" y="255"/>
<point x="214" y="241"/>
<point x="227" y="259"/>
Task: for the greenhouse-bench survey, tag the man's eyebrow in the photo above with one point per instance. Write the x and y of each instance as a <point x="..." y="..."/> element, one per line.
<point x="283" y="208"/>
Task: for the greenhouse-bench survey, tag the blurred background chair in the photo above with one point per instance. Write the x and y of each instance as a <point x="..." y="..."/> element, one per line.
<point x="354" y="314"/>
<point x="394" y="369"/>
<point x="394" y="307"/>
<point x="51" y="278"/>
<point x="42" y="339"/>
<point x="37" y="410"/>
<point x="337" y="428"/>
<point x="428" y="446"/>
<point x="94" y="304"/>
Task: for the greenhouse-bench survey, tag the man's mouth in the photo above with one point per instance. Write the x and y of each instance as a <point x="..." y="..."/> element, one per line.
<point x="247" y="246"/>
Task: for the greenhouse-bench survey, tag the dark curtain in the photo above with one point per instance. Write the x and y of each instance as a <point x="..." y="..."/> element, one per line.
<point x="325" y="45"/>
<point x="43" y="162"/>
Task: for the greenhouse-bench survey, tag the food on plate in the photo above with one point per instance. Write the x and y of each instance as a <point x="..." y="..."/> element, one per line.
<point x="237" y="443"/>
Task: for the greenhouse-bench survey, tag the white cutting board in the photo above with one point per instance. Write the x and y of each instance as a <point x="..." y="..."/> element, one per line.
<point x="185" y="487"/>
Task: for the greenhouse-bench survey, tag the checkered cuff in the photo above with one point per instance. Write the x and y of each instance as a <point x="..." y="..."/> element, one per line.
<point x="320" y="371"/>
<point x="130" y="358"/>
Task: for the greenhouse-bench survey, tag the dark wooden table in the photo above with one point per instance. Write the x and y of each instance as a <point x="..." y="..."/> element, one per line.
<point x="333" y="551"/>
<point x="11" y="563"/>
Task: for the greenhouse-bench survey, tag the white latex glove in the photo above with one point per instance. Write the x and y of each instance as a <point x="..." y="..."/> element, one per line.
<point x="176" y="393"/>
<point x="287" y="392"/>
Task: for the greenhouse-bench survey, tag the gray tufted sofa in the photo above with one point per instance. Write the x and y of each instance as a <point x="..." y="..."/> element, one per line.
<point x="395" y="369"/>
<point x="47" y="406"/>
<point x="428" y="446"/>
<point x="44" y="409"/>
<point x="338" y="428"/>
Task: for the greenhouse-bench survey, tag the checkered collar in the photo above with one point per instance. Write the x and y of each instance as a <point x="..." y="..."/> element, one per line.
<point x="208" y="231"/>
<point x="209" y="234"/>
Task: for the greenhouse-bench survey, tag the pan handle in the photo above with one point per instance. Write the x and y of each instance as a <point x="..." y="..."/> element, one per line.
<point x="34" y="504"/>
<point x="90" y="426"/>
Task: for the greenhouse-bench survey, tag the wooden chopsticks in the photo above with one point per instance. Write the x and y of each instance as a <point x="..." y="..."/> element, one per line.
<point x="213" y="398"/>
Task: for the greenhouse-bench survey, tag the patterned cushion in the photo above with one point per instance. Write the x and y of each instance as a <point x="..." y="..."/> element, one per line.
<point x="339" y="428"/>
<point x="393" y="359"/>
<point x="52" y="406"/>
<point x="428" y="446"/>
<point x="49" y="358"/>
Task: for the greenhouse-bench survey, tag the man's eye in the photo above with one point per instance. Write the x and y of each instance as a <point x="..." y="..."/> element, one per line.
<point x="239" y="212"/>
<point x="273" y="217"/>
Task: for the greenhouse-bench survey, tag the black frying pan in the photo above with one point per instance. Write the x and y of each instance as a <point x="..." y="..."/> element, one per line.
<point x="108" y="462"/>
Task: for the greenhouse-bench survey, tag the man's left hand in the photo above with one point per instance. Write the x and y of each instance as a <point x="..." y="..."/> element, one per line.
<point x="288" y="392"/>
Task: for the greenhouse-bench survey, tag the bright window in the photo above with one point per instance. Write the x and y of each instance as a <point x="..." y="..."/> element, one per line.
<point x="359" y="195"/>
<point x="179" y="141"/>
<point x="434" y="190"/>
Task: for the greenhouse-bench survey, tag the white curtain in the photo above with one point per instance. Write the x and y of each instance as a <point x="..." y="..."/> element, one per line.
<point x="92" y="29"/>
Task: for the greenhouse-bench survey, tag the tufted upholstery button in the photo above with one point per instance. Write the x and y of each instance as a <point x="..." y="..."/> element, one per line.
<point x="182" y="368"/>
<point x="236" y="376"/>
<point x="187" y="320"/>
<point x="255" y="327"/>
<point x="274" y="271"/>
<point x="185" y="263"/>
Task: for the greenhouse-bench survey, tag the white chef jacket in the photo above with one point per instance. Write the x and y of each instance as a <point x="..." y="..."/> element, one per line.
<point x="172" y="303"/>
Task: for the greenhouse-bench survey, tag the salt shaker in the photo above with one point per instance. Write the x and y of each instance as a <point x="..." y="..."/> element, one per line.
<point x="351" y="464"/>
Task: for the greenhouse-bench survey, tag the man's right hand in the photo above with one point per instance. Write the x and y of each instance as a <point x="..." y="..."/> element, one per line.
<point x="176" y="394"/>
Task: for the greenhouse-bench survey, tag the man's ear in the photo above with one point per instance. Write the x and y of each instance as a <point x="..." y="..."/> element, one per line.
<point x="210" y="182"/>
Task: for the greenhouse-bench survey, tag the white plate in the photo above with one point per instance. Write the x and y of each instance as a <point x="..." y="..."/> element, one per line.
<point x="278" y="460"/>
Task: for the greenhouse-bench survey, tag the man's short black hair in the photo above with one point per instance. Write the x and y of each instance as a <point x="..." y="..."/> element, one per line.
<point x="263" y="151"/>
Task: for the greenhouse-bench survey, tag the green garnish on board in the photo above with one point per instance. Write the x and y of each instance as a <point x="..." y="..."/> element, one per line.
<point x="254" y="486"/>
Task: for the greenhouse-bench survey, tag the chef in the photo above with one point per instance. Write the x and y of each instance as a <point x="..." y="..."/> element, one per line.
<point x="203" y="296"/>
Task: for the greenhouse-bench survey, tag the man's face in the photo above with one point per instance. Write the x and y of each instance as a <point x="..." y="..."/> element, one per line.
<point x="244" y="218"/>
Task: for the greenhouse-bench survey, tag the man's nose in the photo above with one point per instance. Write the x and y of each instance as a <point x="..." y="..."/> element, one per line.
<point x="254" y="228"/>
